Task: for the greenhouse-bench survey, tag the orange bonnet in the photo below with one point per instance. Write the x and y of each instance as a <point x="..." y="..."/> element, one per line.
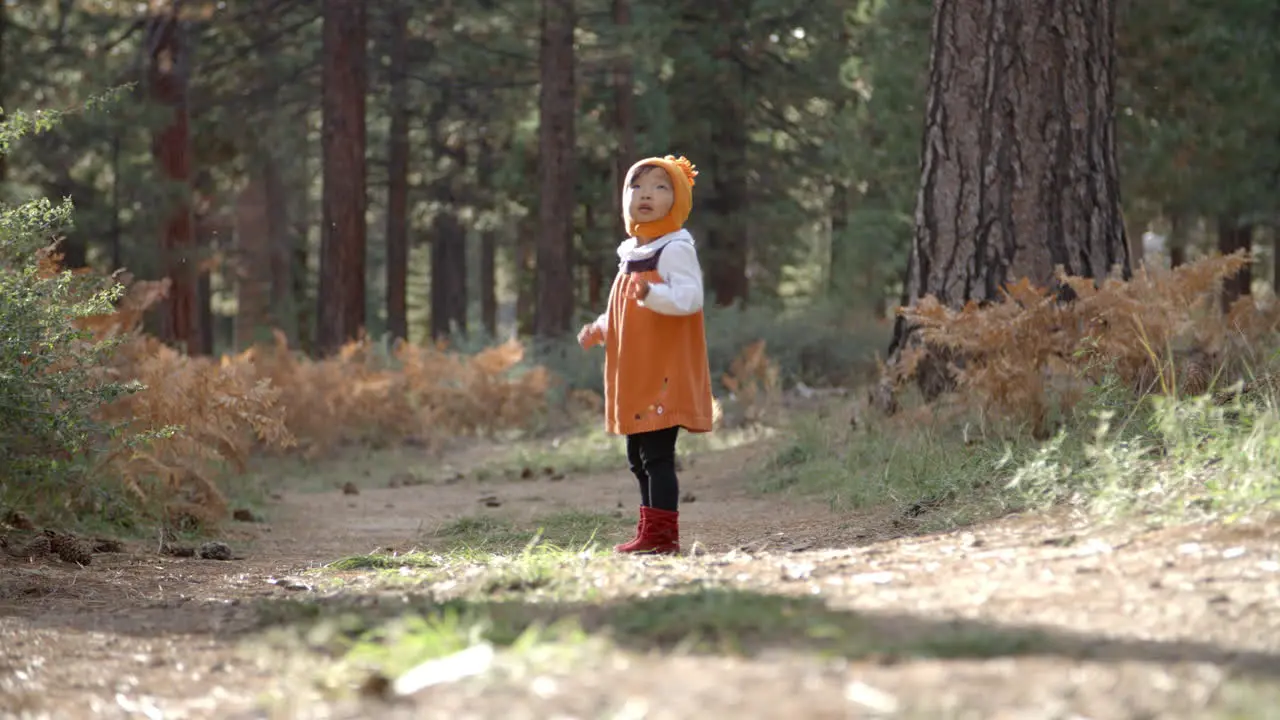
<point x="682" y="172"/>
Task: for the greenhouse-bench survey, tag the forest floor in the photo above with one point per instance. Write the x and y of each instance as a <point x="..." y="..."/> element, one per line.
<point x="781" y="608"/>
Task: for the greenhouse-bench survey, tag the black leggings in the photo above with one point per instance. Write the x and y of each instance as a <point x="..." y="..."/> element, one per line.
<point x="652" y="456"/>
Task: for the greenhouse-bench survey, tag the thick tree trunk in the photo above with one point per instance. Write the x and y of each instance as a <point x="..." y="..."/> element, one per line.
<point x="553" y="313"/>
<point x="341" y="296"/>
<point x="526" y="272"/>
<point x="398" y="179"/>
<point x="488" y="255"/>
<point x="304" y="306"/>
<point x="728" y="238"/>
<point x="1275" y="261"/>
<point x="212" y="228"/>
<point x="448" y="273"/>
<point x="171" y="146"/>
<point x="252" y="262"/>
<point x="839" y="265"/>
<point x="282" y="311"/>
<point x="1177" y="240"/>
<point x="1018" y="171"/>
<point x="1232" y="236"/>
<point x="489" y="281"/>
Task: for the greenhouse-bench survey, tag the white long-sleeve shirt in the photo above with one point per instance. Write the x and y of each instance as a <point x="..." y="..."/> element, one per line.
<point x="681" y="291"/>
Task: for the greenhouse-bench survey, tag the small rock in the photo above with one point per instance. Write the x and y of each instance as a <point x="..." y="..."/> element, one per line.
<point x="289" y="583"/>
<point x="491" y="501"/>
<point x="214" y="551"/>
<point x="557" y="477"/>
<point x="243" y="515"/>
<point x="376" y="685"/>
<point x="350" y="489"/>
<point x="797" y="571"/>
<point x="873" y="699"/>
<point x="688" y="497"/>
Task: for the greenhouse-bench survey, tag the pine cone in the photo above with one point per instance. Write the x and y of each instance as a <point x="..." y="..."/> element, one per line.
<point x="214" y="551"/>
<point x="68" y="548"/>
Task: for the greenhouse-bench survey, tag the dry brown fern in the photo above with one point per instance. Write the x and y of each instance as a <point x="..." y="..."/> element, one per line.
<point x="1160" y="331"/>
<point x="272" y="398"/>
<point x="752" y="380"/>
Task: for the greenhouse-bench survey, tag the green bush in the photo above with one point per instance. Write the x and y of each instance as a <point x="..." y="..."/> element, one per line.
<point x="48" y="388"/>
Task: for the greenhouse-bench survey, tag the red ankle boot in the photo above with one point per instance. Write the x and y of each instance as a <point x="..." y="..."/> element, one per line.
<point x="659" y="532"/>
<point x="630" y="545"/>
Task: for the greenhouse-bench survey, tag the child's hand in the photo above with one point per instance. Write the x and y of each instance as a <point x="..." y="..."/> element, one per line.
<point x="590" y="336"/>
<point x="639" y="289"/>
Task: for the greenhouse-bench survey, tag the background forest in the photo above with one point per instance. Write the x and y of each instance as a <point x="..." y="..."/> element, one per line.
<point x="305" y="177"/>
<point x="293" y="421"/>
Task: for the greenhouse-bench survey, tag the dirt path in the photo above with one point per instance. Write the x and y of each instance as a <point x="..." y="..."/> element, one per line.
<point x="1027" y="617"/>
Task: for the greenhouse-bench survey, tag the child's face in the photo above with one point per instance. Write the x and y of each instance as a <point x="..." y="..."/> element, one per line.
<point x="650" y="195"/>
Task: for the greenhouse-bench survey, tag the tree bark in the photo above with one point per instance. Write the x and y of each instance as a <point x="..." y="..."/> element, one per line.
<point x="252" y="262"/>
<point x="839" y="265"/>
<point x="1018" y="171"/>
<point x="488" y="256"/>
<point x="398" y="179"/>
<point x="489" y="281"/>
<point x="1177" y="240"/>
<point x="341" y="297"/>
<point x="1234" y="235"/>
<point x="212" y="228"/>
<point x="448" y="273"/>
<point x="553" y="313"/>
<point x="728" y="238"/>
<point x="300" y="236"/>
<point x="526" y="272"/>
<point x="283" y="310"/>
<point x="168" y="74"/>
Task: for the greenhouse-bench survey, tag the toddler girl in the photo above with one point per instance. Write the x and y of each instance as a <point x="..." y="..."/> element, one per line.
<point x="656" y="376"/>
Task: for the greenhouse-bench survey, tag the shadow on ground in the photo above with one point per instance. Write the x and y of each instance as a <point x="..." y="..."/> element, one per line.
<point x="698" y="620"/>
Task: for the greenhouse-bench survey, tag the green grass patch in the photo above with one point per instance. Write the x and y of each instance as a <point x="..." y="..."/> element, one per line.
<point x="1169" y="460"/>
<point x="389" y="638"/>
<point x="379" y="561"/>
<point x="879" y="466"/>
<point x="736" y="622"/>
<point x="481" y="535"/>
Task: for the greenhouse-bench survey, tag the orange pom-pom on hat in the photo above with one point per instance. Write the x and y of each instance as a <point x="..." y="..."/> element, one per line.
<point x="682" y="174"/>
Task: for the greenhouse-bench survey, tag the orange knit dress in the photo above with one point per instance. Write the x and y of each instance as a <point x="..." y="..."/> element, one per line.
<point x="656" y="373"/>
